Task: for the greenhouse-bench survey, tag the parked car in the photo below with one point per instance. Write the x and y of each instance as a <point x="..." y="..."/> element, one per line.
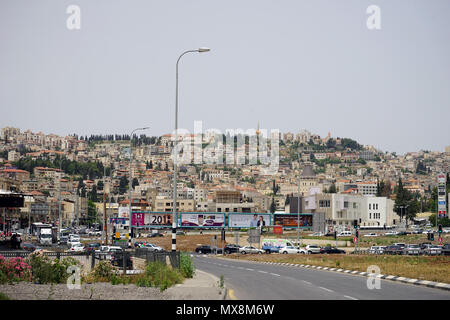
<point x="76" y="247"/>
<point x="117" y="260"/>
<point x="445" y="249"/>
<point x="204" y="249"/>
<point x="289" y="249"/>
<point x="152" y="247"/>
<point x="317" y="234"/>
<point x="411" y="249"/>
<point x="63" y="240"/>
<point x="391" y="233"/>
<point x="91" y="247"/>
<point x="312" y="248"/>
<point x="417" y="231"/>
<point x="331" y="250"/>
<point x="28" y="247"/>
<point x="393" y="249"/>
<point x="370" y="235"/>
<point x="95" y="233"/>
<point x="432" y="250"/>
<point x="400" y="244"/>
<point x="376" y="249"/>
<point x="157" y="234"/>
<point x="231" y="248"/>
<point x="250" y="249"/>
<point x="345" y="234"/>
<point x="181" y="233"/>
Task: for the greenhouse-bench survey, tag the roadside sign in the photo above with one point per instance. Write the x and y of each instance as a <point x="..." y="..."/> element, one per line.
<point x="278" y="230"/>
<point x="118" y="235"/>
<point x="355" y="239"/>
<point x="440" y="240"/>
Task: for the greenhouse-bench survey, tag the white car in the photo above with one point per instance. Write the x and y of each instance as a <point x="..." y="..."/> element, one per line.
<point x="72" y="241"/>
<point x="317" y="234"/>
<point x="391" y="233"/>
<point x="312" y="248"/>
<point x="370" y="235"/>
<point x="95" y="233"/>
<point x="289" y="249"/>
<point x="376" y="250"/>
<point x="152" y="247"/>
<point x="250" y="249"/>
<point x="76" y="247"/>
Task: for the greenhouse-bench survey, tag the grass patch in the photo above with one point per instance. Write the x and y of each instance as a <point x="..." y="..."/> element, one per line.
<point x="4" y="296"/>
<point x="433" y="268"/>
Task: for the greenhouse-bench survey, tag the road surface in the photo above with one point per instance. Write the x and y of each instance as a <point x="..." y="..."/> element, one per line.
<point x="257" y="281"/>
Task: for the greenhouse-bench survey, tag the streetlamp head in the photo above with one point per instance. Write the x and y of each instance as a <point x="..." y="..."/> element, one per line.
<point x="203" y="49"/>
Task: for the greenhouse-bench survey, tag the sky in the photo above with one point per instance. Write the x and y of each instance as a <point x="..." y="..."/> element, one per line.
<point x="287" y="64"/>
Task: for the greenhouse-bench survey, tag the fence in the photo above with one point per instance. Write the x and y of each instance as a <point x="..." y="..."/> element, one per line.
<point x="120" y="259"/>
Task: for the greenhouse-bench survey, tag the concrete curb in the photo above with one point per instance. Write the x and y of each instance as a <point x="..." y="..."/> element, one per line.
<point x="424" y="283"/>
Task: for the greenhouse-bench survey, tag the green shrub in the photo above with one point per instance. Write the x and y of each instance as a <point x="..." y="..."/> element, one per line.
<point x="158" y="274"/>
<point x="187" y="267"/>
<point x="4" y="296"/>
<point x="103" y="271"/>
<point x="44" y="270"/>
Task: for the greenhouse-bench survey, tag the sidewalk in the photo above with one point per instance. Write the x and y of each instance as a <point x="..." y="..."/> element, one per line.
<point x="203" y="286"/>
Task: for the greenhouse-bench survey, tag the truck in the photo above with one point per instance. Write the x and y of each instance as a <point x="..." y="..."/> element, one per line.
<point x="274" y="245"/>
<point x="45" y="236"/>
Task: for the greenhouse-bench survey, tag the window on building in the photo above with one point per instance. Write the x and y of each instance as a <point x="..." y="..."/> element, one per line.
<point x="370" y="206"/>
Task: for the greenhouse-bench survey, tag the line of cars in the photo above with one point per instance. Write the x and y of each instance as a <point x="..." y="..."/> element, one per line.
<point x="411" y="249"/>
<point x="287" y="249"/>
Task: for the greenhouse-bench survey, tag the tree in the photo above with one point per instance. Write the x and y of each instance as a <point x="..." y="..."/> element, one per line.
<point x="332" y="189"/>
<point x="92" y="213"/>
<point x="93" y="194"/>
<point x="100" y="185"/>
<point x="404" y="198"/>
<point x="273" y="206"/>
<point x="123" y="184"/>
<point x="135" y="182"/>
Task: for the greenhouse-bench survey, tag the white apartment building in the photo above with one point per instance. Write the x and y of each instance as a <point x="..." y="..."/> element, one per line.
<point x="367" y="188"/>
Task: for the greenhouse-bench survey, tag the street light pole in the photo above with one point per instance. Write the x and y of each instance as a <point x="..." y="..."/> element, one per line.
<point x="175" y="153"/>
<point x="130" y="185"/>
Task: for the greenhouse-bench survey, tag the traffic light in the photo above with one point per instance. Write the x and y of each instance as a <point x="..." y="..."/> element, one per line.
<point x="440" y="229"/>
<point x="357" y="234"/>
<point x="355" y="224"/>
<point x="430" y="236"/>
<point x="222" y="234"/>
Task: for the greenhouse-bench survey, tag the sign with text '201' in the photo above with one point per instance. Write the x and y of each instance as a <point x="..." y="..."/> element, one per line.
<point x="151" y="219"/>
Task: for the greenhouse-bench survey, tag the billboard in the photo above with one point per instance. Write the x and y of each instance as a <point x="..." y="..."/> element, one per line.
<point x="202" y="220"/>
<point x="242" y="220"/>
<point x="8" y="200"/>
<point x="151" y="219"/>
<point x="123" y="212"/>
<point x="290" y="220"/>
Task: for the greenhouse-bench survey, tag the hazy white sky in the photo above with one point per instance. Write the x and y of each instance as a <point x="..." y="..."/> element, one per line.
<point x="289" y="64"/>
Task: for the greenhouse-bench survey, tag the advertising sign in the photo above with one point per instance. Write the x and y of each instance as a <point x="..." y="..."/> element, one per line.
<point x="151" y="219"/>
<point x="123" y="212"/>
<point x="242" y="220"/>
<point x="290" y="220"/>
<point x="202" y="220"/>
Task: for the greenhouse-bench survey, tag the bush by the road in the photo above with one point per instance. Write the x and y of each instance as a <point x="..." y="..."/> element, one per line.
<point x="158" y="274"/>
<point x="44" y="270"/>
<point x="14" y="270"/>
<point x="187" y="267"/>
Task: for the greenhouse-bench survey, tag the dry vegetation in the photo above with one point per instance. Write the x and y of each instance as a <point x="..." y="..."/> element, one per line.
<point x="415" y="267"/>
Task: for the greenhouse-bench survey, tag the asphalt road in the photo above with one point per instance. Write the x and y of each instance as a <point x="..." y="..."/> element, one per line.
<point x="256" y="281"/>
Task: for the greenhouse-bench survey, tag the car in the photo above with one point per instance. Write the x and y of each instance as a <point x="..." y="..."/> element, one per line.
<point x="28" y="247"/>
<point x="391" y="233"/>
<point x="152" y="247"/>
<point x="92" y="247"/>
<point x="331" y="250"/>
<point x="117" y="260"/>
<point x="289" y="249"/>
<point x="400" y="244"/>
<point x="180" y="233"/>
<point x="317" y="234"/>
<point x="95" y="233"/>
<point x="376" y="250"/>
<point x="446" y="249"/>
<point x="76" y="247"/>
<point x="393" y="249"/>
<point x="250" y="249"/>
<point x="446" y="230"/>
<point x="345" y="234"/>
<point x="432" y="250"/>
<point x="411" y="249"/>
<point x="231" y="248"/>
<point x="63" y="240"/>
<point x="72" y="241"/>
<point x="204" y="249"/>
<point x="139" y="244"/>
<point x="370" y="235"/>
<point x="417" y="231"/>
<point x="156" y="234"/>
<point x="312" y="248"/>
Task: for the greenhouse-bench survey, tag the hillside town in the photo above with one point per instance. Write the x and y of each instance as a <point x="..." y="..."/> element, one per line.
<point x="81" y="176"/>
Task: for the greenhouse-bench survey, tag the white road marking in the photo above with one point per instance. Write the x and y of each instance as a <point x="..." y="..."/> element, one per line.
<point x="350" y="298"/>
<point x="275" y="274"/>
<point x="326" y="289"/>
<point x="249" y="269"/>
<point x="307" y="282"/>
<point x="262" y="271"/>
